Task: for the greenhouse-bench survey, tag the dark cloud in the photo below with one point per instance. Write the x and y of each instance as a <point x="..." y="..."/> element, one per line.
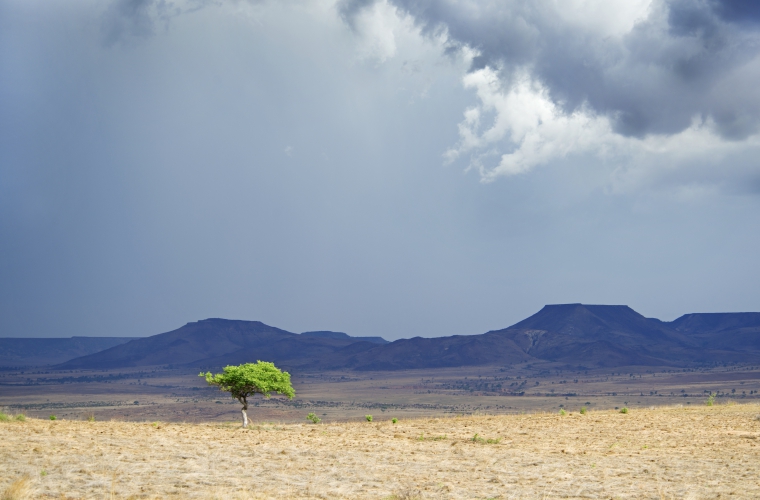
<point x="738" y="11"/>
<point x="655" y="79"/>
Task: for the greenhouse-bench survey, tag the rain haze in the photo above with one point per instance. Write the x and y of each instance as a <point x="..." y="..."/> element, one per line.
<point x="395" y="167"/>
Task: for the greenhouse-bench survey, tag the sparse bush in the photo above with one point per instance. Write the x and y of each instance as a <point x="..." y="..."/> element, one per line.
<point x="624" y="410"/>
<point x="368" y="417"/>
<point x="313" y="417"/>
<point x="477" y="439"/>
<point x="53" y="417"/>
<point x="394" y="420"/>
<point x="711" y="399"/>
<point x="4" y="417"/>
<point x="562" y="412"/>
<point x="21" y="417"/>
<point x="91" y="417"/>
<point x="584" y="410"/>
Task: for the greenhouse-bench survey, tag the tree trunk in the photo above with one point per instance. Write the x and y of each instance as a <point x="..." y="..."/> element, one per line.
<point x="245" y="417"/>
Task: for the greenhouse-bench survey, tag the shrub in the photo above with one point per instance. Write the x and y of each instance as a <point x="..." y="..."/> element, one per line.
<point x="368" y="417"/>
<point x="394" y="420"/>
<point x="4" y="417"/>
<point x="624" y="410"/>
<point x="562" y="412"/>
<point x="313" y="417"/>
<point x="21" y="417"/>
<point x="584" y="410"/>
<point x="711" y="399"/>
<point x="91" y="417"/>
<point x="53" y="417"/>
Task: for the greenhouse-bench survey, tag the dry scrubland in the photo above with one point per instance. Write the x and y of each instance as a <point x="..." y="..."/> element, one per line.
<point x="180" y="395"/>
<point x="670" y="452"/>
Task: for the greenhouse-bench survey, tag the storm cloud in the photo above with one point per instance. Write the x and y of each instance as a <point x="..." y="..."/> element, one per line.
<point x="640" y="69"/>
<point x="380" y="167"/>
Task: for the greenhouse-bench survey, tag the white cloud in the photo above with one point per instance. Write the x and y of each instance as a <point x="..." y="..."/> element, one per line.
<point x="516" y="127"/>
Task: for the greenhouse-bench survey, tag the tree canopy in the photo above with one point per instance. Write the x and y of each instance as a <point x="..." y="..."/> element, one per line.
<point x="249" y="379"/>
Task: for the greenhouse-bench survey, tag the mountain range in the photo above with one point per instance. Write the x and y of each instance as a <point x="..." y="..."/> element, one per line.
<point x="575" y="334"/>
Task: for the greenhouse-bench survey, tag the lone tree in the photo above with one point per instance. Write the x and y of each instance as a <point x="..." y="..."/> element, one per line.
<point x="246" y="380"/>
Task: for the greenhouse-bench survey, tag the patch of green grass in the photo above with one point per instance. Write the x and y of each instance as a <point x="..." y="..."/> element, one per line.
<point x="43" y="473"/>
<point x="4" y="417"/>
<point x="624" y="410"/>
<point x="435" y="438"/>
<point x="562" y="412"/>
<point x="21" y="417"/>
<point x="394" y="420"/>
<point x="584" y="410"/>
<point x="53" y="417"/>
<point x="477" y="439"/>
<point x="313" y="417"/>
<point x="368" y="417"/>
<point x="711" y="399"/>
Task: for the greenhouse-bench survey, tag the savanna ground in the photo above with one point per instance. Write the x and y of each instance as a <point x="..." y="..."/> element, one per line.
<point x="666" y="452"/>
<point x="162" y="432"/>
<point x="147" y="394"/>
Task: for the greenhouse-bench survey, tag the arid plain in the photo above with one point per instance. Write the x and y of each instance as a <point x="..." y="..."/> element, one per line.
<point x="150" y="394"/>
<point x="157" y="433"/>
<point x="666" y="452"/>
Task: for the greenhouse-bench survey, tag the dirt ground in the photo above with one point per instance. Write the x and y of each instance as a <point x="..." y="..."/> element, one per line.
<point x="665" y="452"/>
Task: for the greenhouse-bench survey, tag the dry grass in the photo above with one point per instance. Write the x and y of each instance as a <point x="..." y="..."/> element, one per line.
<point x="658" y="453"/>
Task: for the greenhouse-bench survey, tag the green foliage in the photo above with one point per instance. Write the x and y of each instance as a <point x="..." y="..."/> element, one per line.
<point x="562" y="412"/>
<point x="4" y="417"/>
<point x="91" y="417"/>
<point x="711" y="399"/>
<point x="313" y="417"/>
<point x="21" y="417"/>
<point x="245" y="380"/>
<point x="477" y="439"/>
<point x="624" y="410"/>
<point x="53" y="417"/>
<point x="434" y="438"/>
<point x="368" y="417"/>
<point x="43" y="473"/>
<point x="394" y="420"/>
<point x="584" y="410"/>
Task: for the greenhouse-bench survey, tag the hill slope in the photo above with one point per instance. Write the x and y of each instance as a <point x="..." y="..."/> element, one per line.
<point x="215" y="342"/>
<point x="576" y="334"/>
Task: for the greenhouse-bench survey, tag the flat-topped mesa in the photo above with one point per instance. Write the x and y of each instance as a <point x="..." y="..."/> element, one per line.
<point x="582" y="319"/>
<point x="715" y="322"/>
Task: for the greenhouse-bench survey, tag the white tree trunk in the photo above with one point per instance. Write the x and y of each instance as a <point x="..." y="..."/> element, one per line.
<point x="245" y="418"/>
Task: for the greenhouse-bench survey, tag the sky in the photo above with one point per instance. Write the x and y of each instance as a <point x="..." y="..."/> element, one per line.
<point x="380" y="167"/>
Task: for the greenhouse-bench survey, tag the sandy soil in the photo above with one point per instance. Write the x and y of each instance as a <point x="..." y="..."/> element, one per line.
<point x="670" y="452"/>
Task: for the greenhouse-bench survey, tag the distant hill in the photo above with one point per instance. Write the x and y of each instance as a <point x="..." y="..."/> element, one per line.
<point x="575" y="334"/>
<point x="218" y="342"/>
<point x="733" y="331"/>
<point x="21" y="353"/>
<point x="325" y="334"/>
